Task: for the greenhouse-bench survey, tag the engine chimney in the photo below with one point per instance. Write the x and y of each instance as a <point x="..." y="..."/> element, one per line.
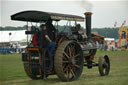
<point x="88" y="23"/>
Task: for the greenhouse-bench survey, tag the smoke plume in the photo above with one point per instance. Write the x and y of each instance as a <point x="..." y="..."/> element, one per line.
<point x="85" y="4"/>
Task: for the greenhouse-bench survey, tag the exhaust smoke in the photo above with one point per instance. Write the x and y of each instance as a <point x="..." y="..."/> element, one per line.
<point x="85" y="4"/>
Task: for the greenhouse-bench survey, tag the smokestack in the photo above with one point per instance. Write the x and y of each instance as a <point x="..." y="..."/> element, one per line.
<point x="88" y="23"/>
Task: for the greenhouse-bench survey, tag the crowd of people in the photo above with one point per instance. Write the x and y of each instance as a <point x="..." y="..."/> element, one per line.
<point x="11" y="48"/>
<point x="16" y="47"/>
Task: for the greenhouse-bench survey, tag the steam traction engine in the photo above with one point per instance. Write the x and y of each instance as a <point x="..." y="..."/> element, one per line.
<point x="72" y="52"/>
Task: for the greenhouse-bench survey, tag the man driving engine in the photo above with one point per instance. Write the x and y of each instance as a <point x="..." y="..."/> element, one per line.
<point x="47" y="42"/>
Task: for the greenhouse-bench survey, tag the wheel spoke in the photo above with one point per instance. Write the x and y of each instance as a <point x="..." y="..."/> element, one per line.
<point x="66" y="68"/>
<point x="76" y="66"/>
<point x="69" y="49"/>
<point x="76" y="55"/>
<point x="65" y="61"/>
<point x="73" y="73"/>
<point x="69" y="72"/>
<point x="66" y="55"/>
<point x="72" y="50"/>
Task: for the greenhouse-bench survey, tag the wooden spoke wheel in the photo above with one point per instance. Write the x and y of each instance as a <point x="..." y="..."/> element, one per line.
<point x="69" y="61"/>
<point x="104" y="65"/>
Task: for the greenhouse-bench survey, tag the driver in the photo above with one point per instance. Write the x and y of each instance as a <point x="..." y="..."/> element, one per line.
<point x="47" y="42"/>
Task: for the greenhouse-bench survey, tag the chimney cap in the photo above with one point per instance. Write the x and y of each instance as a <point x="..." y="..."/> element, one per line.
<point x="88" y="13"/>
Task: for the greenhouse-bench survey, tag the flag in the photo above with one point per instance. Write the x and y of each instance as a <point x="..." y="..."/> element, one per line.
<point x="115" y="24"/>
<point x="124" y="23"/>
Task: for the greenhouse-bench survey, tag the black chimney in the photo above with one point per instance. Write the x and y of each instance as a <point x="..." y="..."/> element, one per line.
<point x="88" y="23"/>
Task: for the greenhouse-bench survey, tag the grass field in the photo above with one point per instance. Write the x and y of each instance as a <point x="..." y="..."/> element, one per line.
<point x="12" y="72"/>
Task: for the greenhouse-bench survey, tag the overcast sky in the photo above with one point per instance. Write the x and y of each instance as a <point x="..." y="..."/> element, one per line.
<point x="105" y="12"/>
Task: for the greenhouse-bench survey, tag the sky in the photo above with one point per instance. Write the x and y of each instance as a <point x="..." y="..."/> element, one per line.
<point x="105" y="12"/>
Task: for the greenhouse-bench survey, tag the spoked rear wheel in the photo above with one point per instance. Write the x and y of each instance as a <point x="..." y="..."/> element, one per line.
<point x="104" y="65"/>
<point x="69" y="61"/>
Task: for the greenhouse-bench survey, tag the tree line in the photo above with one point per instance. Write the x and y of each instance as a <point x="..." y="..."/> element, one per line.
<point x="106" y="32"/>
<point x="10" y="28"/>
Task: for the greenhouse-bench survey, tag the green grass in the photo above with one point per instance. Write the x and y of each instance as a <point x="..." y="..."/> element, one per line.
<point x="12" y="72"/>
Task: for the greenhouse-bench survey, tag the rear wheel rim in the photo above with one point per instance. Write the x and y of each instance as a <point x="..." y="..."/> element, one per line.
<point x="72" y="62"/>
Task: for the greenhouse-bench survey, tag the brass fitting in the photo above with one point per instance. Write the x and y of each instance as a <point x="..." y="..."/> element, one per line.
<point x="88" y="13"/>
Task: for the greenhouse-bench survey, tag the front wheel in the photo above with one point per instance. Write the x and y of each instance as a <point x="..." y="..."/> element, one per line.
<point x="69" y="61"/>
<point x="104" y="65"/>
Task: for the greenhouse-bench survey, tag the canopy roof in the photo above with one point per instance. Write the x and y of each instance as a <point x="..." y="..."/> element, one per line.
<point x="40" y="16"/>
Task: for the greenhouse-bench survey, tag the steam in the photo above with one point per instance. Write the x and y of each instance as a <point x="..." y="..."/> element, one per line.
<point x="85" y="4"/>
